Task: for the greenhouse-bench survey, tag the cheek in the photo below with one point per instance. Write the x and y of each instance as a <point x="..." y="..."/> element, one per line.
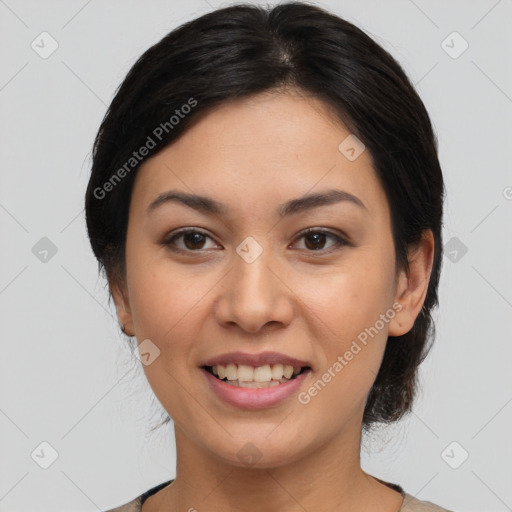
<point x="349" y="298"/>
<point x="160" y="293"/>
<point x="169" y="305"/>
<point x="164" y="310"/>
<point x="164" y="306"/>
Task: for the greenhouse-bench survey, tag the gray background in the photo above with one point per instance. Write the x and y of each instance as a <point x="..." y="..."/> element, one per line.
<point x="67" y="377"/>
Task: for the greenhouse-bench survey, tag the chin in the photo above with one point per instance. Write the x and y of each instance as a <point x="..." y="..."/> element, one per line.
<point x="259" y="451"/>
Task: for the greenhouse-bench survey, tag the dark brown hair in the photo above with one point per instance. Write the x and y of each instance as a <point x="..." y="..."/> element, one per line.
<point x="243" y="50"/>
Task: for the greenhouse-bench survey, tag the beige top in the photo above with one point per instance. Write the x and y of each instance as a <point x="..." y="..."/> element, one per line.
<point x="410" y="503"/>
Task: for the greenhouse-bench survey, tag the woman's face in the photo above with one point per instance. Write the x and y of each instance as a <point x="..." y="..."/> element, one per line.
<point x="249" y="281"/>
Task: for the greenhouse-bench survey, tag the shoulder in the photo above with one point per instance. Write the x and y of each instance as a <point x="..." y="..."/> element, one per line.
<point x="132" y="506"/>
<point x="412" y="504"/>
<point x="136" y="504"/>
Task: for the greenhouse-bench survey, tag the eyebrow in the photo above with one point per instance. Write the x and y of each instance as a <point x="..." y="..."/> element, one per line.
<point x="208" y="205"/>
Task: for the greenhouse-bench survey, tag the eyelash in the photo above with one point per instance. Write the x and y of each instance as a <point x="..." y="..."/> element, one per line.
<point x="340" y="241"/>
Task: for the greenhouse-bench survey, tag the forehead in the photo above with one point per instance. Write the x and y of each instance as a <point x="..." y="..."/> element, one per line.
<point x="262" y="150"/>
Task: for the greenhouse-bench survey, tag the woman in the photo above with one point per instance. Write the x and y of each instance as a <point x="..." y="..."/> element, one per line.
<point x="266" y="202"/>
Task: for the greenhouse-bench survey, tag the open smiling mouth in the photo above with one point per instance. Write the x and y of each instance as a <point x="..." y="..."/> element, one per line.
<point x="265" y="376"/>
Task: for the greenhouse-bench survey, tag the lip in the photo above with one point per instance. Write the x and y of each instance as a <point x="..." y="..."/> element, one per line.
<point x="254" y="360"/>
<point x="253" y="399"/>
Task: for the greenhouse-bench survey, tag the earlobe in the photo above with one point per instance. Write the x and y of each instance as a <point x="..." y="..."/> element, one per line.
<point x="412" y="286"/>
<point x="120" y="296"/>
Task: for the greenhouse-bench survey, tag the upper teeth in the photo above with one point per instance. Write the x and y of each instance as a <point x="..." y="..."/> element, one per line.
<point x="245" y="373"/>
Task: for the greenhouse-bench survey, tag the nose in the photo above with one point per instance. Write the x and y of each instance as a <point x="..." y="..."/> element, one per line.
<point x="254" y="296"/>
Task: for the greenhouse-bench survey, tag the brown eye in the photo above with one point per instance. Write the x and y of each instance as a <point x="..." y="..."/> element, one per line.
<point x="193" y="240"/>
<point x="315" y="240"/>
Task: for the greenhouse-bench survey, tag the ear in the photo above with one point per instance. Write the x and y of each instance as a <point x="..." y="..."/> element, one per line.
<point x="120" y="296"/>
<point x="412" y="286"/>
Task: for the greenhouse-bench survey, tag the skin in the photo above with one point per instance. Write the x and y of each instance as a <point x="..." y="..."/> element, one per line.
<point x="252" y="155"/>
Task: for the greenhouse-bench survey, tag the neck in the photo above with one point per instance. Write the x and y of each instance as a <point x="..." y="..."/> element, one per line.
<point x="328" y="478"/>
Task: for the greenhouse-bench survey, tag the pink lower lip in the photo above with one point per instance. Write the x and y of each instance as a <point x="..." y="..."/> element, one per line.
<point x="252" y="399"/>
